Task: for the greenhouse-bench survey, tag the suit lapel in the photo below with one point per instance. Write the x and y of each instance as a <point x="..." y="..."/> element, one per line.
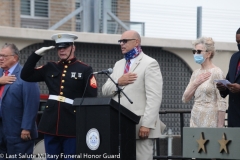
<point x="120" y="70"/>
<point x="1" y="71"/>
<point x="6" y="87"/>
<point x="136" y="62"/>
<point x="234" y="67"/>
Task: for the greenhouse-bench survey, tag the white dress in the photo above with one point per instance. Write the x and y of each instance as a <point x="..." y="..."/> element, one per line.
<point x="207" y="100"/>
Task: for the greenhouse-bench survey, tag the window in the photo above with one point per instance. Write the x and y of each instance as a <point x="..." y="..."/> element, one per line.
<point x="78" y="17"/>
<point x="34" y="14"/>
<point x="34" y="8"/>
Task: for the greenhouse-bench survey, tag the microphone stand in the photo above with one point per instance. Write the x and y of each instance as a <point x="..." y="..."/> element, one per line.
<point x="119" y="90"/>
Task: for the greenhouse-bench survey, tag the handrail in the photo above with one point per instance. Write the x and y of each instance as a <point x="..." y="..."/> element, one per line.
<point x="181" y="112"/>
<point x="175" y="111"/>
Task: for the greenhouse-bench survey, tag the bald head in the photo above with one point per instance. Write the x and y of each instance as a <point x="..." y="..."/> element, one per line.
<point x="133" y="34"/>
<point x="129" y="40"/>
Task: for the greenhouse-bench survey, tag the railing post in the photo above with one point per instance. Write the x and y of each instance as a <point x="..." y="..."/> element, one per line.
<point x="104" y="20"/>
<point x="170" y="139"/>
<point x="157" y="149"/>
<point x="170" y="134"/>
<point x="181" y="125"/>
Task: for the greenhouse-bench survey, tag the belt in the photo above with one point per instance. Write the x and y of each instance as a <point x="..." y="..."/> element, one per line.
<point x="61" y="99"/>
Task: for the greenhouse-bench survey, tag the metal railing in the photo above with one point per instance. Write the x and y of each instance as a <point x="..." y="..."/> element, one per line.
<point x="181" y="112"/>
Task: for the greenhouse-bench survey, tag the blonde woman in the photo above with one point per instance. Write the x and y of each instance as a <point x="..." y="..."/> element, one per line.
<point x="209" y="107"/>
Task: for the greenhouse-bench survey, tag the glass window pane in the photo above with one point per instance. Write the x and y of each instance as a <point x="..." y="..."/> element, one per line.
<point x="41" y="8"/>
<point x="77" y="5"/>
<point x="25" y="7"/>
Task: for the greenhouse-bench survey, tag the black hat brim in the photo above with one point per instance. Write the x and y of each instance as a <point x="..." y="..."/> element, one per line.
<point x="64" y="44"/>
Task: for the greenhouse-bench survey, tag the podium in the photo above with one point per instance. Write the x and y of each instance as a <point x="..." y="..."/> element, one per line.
<point x="98" y="129"/>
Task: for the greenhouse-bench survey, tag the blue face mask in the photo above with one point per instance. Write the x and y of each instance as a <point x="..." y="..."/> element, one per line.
<point x="199" y="58"/>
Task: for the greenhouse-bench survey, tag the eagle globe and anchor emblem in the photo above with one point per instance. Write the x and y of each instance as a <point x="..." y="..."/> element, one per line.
<point x="93" y="139"/>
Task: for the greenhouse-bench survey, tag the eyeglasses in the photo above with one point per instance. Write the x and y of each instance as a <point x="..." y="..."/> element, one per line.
<point x="124" y="40"/>
<point x="4" y="56"/>
<point x="198" y="51"/>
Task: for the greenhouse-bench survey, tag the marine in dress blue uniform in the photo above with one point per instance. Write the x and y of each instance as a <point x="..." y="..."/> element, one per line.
<point x="66" y="80"/>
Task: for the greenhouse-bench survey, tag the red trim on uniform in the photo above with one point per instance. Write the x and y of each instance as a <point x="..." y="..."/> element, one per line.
<point x="65" y="62"/>
<point x="58" y="118"/>
<point x="55" y="134"/>
<point x="44" y="96"/>
<point x="82" y="63"/>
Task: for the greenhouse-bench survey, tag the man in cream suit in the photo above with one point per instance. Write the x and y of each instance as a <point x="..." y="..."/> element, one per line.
<point x="140" y="78"/>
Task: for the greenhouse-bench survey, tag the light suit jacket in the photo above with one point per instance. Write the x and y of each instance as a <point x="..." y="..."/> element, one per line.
<point x="19" y="107"/>
<point x="145" y="92"/>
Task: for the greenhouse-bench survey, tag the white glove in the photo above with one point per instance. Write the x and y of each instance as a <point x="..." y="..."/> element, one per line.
<point x="42" y="50"/>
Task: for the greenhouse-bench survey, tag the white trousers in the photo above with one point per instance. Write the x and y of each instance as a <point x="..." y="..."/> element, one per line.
<point x="144" y="149"/>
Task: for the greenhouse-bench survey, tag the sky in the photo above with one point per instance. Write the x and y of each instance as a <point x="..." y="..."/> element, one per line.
<point x="177" y="19"/>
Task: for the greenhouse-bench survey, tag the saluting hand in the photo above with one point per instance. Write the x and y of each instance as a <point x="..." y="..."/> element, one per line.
<point x="43" y="50"/>
<point x="127" y="78"/>
<point x="7" y="79"/>
<point x="202" y="78"/>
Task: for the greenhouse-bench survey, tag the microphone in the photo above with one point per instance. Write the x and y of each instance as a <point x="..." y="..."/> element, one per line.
<point x="108" y="71"/>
